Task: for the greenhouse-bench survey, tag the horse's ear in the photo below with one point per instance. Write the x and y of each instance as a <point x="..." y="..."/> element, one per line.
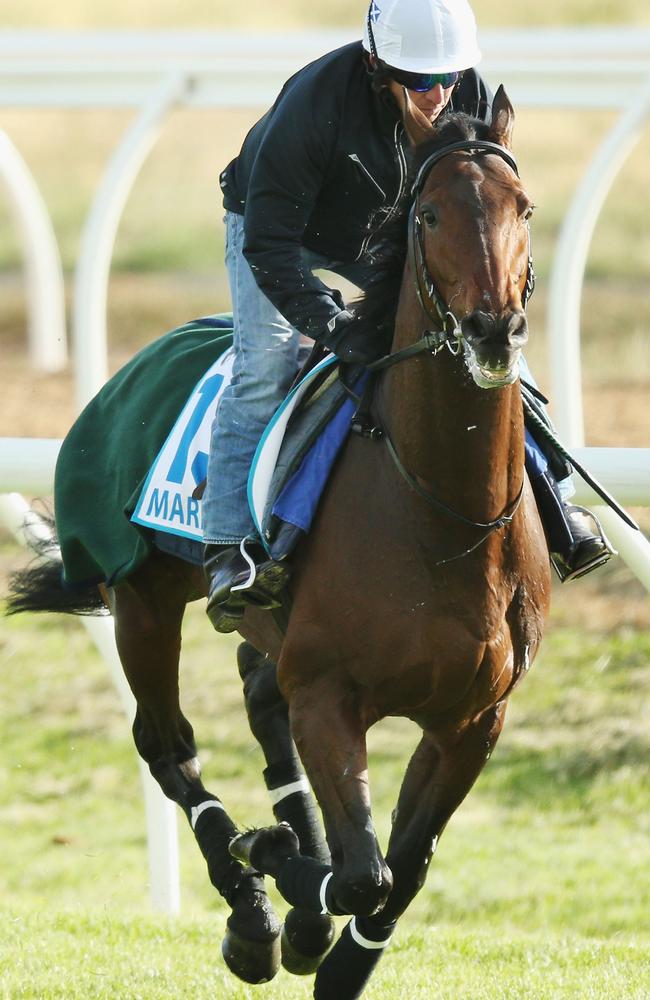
<point x="503" y="119"/>
<point x="418" y="127"/>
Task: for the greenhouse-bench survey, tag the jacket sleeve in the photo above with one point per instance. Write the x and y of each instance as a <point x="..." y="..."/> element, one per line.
<point x="285" y="181"/>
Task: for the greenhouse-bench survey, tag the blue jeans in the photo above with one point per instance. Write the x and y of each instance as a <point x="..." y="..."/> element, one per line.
<point x="565" y="486"/>
<point x="266" y="362"/>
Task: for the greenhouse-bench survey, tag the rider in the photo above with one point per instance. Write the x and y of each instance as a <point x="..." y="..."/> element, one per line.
<point x="306" y="192"/>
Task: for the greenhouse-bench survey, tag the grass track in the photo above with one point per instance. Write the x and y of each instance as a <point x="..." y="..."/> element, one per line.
<point x="540" y="887"/>
<point x="151" y="959"/>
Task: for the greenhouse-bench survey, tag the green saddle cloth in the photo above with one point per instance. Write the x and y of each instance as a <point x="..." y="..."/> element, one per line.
<point x="109" y="450"/>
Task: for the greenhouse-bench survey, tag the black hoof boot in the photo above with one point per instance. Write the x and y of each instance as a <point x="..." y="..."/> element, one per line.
<point x="251" y="945"/>
<point x="351" y="962"/>
<point x="265" y="849"/>
<point x="306" y="939"/>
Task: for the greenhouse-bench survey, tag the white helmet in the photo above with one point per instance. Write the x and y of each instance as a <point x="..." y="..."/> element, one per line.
<point x="422" y="36"/>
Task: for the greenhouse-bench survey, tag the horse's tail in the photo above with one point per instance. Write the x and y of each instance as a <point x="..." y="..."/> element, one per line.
<point x="40" y="586"/>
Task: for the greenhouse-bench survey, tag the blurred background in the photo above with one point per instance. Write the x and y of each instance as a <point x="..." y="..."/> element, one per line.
<point x="566" y="795"/>
<point x="167" y="265"/>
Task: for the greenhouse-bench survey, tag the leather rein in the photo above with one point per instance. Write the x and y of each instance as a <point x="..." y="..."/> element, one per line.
<point x="449" y="335"/>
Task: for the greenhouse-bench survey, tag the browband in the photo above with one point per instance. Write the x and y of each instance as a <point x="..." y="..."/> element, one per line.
<point x="468" y="145"/>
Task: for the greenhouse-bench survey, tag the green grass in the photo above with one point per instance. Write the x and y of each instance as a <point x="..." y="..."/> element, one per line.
<point x="154" y="959"/>
<point x="540" y="887"/>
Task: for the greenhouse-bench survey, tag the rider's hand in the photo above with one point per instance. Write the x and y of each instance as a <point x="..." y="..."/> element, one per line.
<point x="351" y="345"/>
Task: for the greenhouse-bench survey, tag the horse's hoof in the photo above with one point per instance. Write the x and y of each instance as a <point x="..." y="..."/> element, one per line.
<point x="266" y="848"/>
<point x="251" y="946"/>
<point x="252" y="961"/>
<point x="306" y="939"/>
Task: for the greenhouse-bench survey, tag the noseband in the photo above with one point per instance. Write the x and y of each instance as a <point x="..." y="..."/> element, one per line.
<point x="448" y="335"/>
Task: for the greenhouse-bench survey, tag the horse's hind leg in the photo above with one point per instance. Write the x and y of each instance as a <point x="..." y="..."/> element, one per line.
<point x="148" y="610"/>
<point x="438" y="778"/>
<point x="306" y="936"/>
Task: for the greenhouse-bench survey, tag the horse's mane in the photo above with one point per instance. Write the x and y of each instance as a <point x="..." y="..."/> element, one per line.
<point x="375" y="311"/>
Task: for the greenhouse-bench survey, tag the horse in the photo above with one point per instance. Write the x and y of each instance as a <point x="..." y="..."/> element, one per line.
<point x="421" y="591"/>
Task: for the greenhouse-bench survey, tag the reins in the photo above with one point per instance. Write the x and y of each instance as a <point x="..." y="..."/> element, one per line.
<point x="502" y="521"/>
<point x="433" y="341"/>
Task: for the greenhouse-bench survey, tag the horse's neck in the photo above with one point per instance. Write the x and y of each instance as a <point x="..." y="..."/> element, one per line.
<point x="463" y="442"/>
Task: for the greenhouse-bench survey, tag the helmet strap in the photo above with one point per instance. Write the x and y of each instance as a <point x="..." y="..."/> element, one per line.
<point x="371" y="37"/>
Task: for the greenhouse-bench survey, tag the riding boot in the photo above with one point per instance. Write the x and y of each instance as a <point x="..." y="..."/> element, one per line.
<point x="237" y="580"/>
<point x="576" y="540"/>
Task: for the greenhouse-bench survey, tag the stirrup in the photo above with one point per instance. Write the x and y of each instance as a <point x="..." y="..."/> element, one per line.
<point x="570" y="566"/>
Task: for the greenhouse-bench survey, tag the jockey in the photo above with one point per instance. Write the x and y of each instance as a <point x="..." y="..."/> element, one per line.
<point x="304" y="194"/>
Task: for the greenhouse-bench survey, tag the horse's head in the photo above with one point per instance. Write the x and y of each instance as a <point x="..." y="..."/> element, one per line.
<point x="469" y="239"/>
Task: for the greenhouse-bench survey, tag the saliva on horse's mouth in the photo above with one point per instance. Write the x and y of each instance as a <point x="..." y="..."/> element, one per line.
<point x="492" y="376"/>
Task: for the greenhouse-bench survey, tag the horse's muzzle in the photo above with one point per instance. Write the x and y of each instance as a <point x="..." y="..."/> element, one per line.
<point x="493" y="344"/>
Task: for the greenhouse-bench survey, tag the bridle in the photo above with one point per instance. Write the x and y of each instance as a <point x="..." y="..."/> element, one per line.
<point x="427" y="292"/>
<point x="433" y="305"/>
<point x="446" y="333"/>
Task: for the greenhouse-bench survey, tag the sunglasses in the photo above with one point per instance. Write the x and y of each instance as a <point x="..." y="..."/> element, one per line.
<point x="420" y="82"/>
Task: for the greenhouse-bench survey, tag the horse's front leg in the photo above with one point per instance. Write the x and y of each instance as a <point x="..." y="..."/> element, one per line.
<point x="330" y="735"/>
<point x="148" y="610"/>
<point x="439" y="776"/>
<point x="306" y="936"/>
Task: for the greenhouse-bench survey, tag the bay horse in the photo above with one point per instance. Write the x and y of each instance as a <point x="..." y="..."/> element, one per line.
<point x="421" y="592"/>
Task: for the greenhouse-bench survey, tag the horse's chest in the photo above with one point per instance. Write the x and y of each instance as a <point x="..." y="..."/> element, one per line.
<point x="442" y="659"/>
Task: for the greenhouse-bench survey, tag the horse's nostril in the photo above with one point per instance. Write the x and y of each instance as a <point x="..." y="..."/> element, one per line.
<point x="478" y="327"/>
<point x="517" y="330"/>
<point x="482" y="329"/>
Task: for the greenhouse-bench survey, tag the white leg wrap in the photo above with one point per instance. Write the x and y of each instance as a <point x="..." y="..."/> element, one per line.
<point x="365" y="942"/>
<point x="323" y="891"/>
<point x="197" y="810"/>
<point x="277" y="794"/>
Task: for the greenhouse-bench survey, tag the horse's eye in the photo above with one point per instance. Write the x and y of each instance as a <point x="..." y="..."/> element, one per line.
<point x="528" y="212"/>
<point x="429" y="216"/>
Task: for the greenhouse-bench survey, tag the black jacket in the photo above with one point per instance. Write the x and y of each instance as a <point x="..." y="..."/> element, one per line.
<point x="313" y="172"/>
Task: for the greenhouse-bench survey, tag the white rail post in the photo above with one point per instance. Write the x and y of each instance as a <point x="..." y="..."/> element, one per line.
<point x="626" y="474"/>
<point x="162" y="830"/>
<point x="567" y="276"/>
<point x="564" y="309"/>
<point x="98" y="238"/>
<point x="43" y="270"/>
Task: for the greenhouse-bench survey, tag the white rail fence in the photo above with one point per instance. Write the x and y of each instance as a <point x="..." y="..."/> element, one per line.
<point x="156" y="72"/>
